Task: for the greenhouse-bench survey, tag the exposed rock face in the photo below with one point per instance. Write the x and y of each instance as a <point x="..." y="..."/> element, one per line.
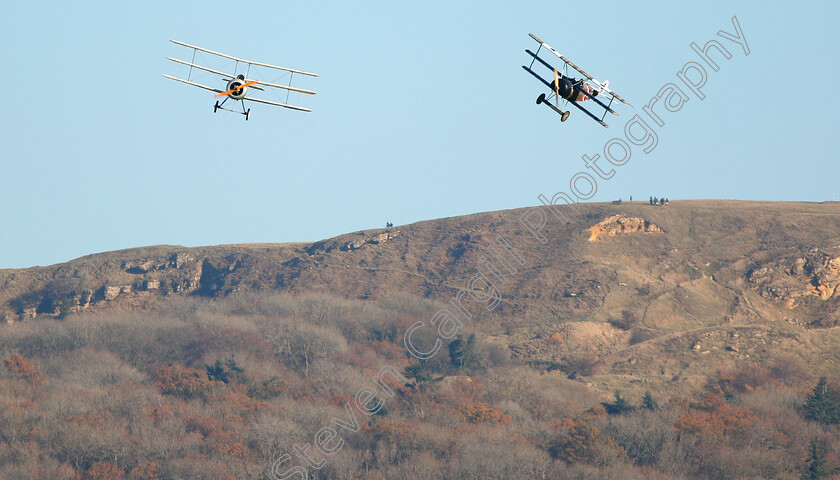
<point x="354" y="245"/>
<point x="375" y="240"/>
<point x="110" y="292"/>
<point x="78" y="289"/>
<point x="142" y="277"/>
<point x="790" y="279"/>
<point x="825" y="278"/>
<point x="617" y="224"/>
<point x="383" y="237"/>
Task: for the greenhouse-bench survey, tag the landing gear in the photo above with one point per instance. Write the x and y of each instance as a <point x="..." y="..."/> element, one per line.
<point x="563" y="115"/>
<point x="218" y="106"/>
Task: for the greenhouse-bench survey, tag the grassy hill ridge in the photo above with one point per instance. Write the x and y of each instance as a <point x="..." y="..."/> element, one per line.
<point x="724" y="241"/>
<point x="212" y="362"/>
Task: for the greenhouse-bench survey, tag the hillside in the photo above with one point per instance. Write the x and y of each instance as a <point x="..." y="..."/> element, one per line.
<point x="634" y="342"/>
<point x="708" y="282"/>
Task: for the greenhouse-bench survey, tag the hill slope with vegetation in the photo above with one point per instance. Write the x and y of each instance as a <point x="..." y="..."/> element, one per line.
<point x="634" y="341"/>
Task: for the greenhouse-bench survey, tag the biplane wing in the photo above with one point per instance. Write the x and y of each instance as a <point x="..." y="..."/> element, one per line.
<point x="243" y="60"/>
<point x="601" y="85"/>
<point x="225" y="76"/>
<point x="188" y="82"/>
<point x="259" y="100"/>
<point x="252" y="99"/>
<point x="284" y="87"/>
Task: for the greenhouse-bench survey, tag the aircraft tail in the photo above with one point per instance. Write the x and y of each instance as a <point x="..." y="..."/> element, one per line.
<point x="604" y="86"/>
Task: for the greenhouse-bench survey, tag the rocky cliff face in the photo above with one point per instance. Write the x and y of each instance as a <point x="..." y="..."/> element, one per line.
<point x="372" y="240"/>
<point x="140" y="276"/>
<point x="618" y="224"/>
<point x="789" y="280"/>
<point x="81" y="285"/>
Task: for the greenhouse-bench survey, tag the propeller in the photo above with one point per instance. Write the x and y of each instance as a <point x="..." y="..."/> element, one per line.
<point x="240" y="87"/>
<point x="563" y="115"/>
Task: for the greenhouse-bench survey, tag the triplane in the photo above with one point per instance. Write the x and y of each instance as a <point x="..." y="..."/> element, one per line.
<point x="238" y="84"/>
<point x="570" y="89"/>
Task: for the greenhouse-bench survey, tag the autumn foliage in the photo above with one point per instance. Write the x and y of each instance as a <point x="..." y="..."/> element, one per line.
<point x="182" y="382"/>
<point x="713" y="416"/>
<point x="146" y="470"/>
<point x="180" y="399"/>
<point x="23" y="369"/>
<point x="104" y="471"/>
<point x="480" y="413"/>
<point x="575" y="441"/>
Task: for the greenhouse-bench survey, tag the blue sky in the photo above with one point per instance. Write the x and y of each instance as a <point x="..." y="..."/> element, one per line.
<point x="422" y="112"/>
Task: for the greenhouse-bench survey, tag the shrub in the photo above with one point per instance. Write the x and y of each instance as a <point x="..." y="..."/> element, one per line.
<point x="640" y="335"/>
<point x="225" y="372"/>
<point x="419" y="372"/>
<point x="104" y="471"/>
<point x="213" y="339"/>
<point x="789" y="371"/>
<point x="584" y="365"/>
<point x="146" y="470"/>
<point x="648" y="402"/>
<point x="22" y="368"/>
<point x="619" y="406"/>
<point x="461" y="351"/>
<point x="627" y="321"/>
<point x="267" y="389"/>
<point x="181" y="382"/>
<point x="579" y="442"/>
<point x="480" y="413"/>
<point x="712" y="416"/>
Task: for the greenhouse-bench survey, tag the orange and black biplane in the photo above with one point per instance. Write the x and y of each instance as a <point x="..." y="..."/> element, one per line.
<point x="238" y="83"/>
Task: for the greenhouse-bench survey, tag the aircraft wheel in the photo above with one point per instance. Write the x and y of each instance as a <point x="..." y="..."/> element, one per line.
<point x="565" y="116"/>
<point x="247" y="114"/>
<point x="541" y="98"/>
<point x="215" y="107"/>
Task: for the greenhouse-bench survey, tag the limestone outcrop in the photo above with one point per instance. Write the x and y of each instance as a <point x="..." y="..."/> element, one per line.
<point x="618" y="224"/>
<point x="789" y="280"/>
